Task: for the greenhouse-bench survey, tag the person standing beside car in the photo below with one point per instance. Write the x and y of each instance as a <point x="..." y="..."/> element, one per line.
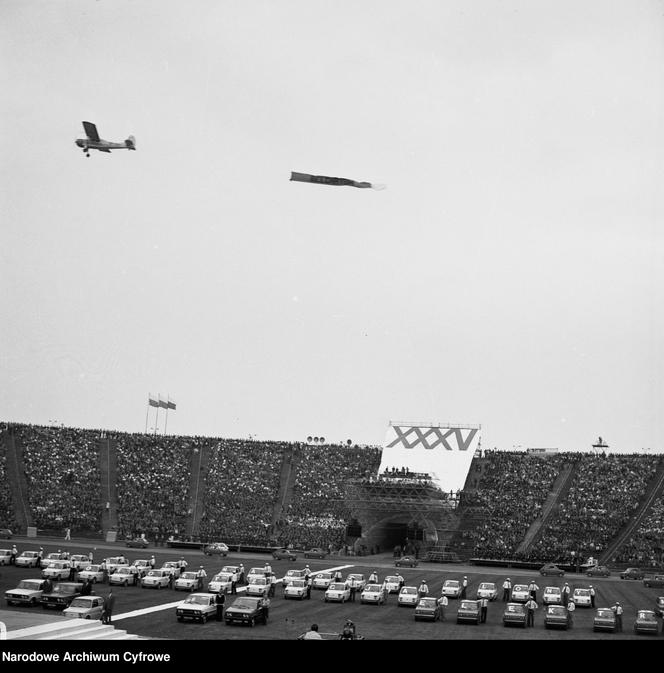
<point x="220" y="601"/>
<point x="592" y="596"/>
<point x="531" y="606"/>
<point x="443" y="602"/>
<point x="507" y="588"/>
<point x="484" y="605"/>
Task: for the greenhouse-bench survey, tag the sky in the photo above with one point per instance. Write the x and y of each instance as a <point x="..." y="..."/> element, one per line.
<point x="510" y="275"/>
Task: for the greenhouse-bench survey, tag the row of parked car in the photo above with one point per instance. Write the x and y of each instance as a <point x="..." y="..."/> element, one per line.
<point x="649" y="579"/>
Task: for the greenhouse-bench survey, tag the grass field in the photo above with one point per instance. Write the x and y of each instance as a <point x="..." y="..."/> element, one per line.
<point x="289" y="618"/>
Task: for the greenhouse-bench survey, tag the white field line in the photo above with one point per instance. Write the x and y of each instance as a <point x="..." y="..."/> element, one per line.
<point x="167" y="606"/>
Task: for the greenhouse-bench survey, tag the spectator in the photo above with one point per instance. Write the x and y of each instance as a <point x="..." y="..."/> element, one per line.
<point x="312" y="633"/>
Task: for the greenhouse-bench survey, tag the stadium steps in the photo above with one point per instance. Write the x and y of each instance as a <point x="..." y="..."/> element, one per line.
<point x="71" y="629"/>
<point x="108" y="468"/>
<point x="558" y="492"/>
<point x="654" y="491"/>
<point x="198" y="469"/>
<point x="286" y="483"/>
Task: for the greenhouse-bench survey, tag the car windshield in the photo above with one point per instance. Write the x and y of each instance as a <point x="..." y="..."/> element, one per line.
<point x="261" y="571"/>
<point x="189" y="576"/>
<point x="293" y="573"/>
<point x="468" y="605"/>
<point x="511" y="607"/>
<point x="427" y="603"/>
<point x="64" y="588"/>
<point x="645" y="614"/>
<point x="170" y="564"/>
<point x="29" y="554"/>
<point x="372" y="587"/>
<point x="199" y="600"/>
<point x="325" y="576"/>
<point x="605" y="613"/>
<point x="487" y="585"/>
<point x="156" y="573"/>
<point x="54" y="557"/>
<point x="221" y="577"/>
<point x="552" y="590"/>
<point x="392" y="579"/>
<point x="409" y="590"/>
<point x="33" y="585"/>
<point x="451" y="583"/>
<point x="257" y="580"/>
<point x="122" y="571"/>
<point x="556" y="610"/>
<point x="297" y="583"/>
<point x="80" y="603"/>
<point x="581" y="592"/>
<point x="229" y="569"/>
<point x="91" y="569"/>
<point x="59" y="565"/>
<point x="337" y="586"/>
<point x="520" y="587"/>
<point x="354" y="576"/>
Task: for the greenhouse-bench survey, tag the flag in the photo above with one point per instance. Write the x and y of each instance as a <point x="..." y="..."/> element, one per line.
<point x="171" y="405"/>
<point x="327" y="180"/>
<point x="152" y="402"/>
<point x="162" y="403"/>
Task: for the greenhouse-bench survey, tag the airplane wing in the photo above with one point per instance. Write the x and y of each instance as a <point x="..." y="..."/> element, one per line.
<point x="103" y="149"/>
<point x="91" y="131"/>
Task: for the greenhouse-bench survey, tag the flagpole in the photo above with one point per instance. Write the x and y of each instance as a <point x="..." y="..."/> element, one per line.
<point x="156" y="418"/>
<point x="166" y="424"/>
<point x="147" y="411"/>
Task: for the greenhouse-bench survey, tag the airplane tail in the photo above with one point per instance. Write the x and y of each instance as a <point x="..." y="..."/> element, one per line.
<point x="131" y="143"/>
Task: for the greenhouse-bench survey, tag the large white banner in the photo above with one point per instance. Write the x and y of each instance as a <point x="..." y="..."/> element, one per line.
<point x="443" y="451"/>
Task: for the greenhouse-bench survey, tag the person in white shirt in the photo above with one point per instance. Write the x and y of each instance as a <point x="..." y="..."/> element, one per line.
<point x="312" y="633"/>
<point x="571" y="606"/>
<point x="443" y="602"/>
<point x="507" y="588"/>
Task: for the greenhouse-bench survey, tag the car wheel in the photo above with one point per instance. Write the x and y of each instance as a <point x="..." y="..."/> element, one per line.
<point x="252" y="622"/>
<point x="87" y="616"/>
<point x="180" y="619"/>
<point x="126" y="583"/>
<point x="158" y="586"/>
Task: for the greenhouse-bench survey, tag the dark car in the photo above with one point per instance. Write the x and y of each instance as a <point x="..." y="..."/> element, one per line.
<point x="654" y="581"/>
<point x="515" y="614"/>
<point x="409" y="561"/>
<point x="632" y="574"/>
<point x="6" y="534"/>
<point x="246" y="610"/>
<point x="468" y="611"/>
<point x="138" y="542"/>
<point x="604" y="620"/>
<point x="219" y="548"/>
<point x="646" y="622"/>
<point x="551" y="569"/>
<point x="556" y="617"/>
<point x="315" y="552"/>
<point x="427" y="609"/>
<point x="62" y="595"/>
<point x="598" y="571"/>
<point x="281" y="554"/>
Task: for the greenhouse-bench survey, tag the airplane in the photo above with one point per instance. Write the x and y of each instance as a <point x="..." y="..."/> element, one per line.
<point x="94" y="142"/>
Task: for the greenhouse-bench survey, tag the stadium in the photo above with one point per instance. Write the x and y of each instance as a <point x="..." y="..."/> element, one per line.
<point x="103" y="493"/>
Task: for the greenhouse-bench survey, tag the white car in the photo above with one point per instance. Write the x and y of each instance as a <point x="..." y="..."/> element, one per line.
<point x="142" y="567"/>
<point x="234" y="571"/>
<point x="79" y="561"/>
<point x="156" y="578"/>
<point x="56" y="570"/>
<point x="322" y="580"/>
<point x="296" y="589"/>
<point x="221" y="583"/>
<point x="189" y="581"/>
<point x="28" y="592"/>
<point x="258" y="586"/>
<point x="93" y="572"/>
<point x="552" y="596"/>
<point x="581" y="598"/>
<point x="255" y="572"/>
<point x="28" y="559"/>
<point x="393" y="584"/>
<point x="408" y="596"/>
<point x="125" y="577"/>
<point x="337" y="591"/>
<point x="451" y="588"/>
<point x="172" y="568"/>
<point x="293" y="575"/>
<point x="52" y="557"/>
<point x="85" y="607"/>
<point x="115" y="562"/>
<point x="360" y="580"/>
<point x="487" y="590"/>
<point x="5" y="557"/>
<point x="520" y="593"/>
<point x="198" y="607"/>
<point x="373" y="593"/>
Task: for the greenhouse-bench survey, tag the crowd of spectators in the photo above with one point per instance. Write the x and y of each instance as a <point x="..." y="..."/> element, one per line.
<point x="513" y="487"/>
<point x="153" y="482"/>
<point x="62" y="472"/>
<point x="317" y="514"/>
<point x="241" y="487"/>
<point x="645" y="546"/>
<point x="605" y="493"/>
<point x="7" y="518"/>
